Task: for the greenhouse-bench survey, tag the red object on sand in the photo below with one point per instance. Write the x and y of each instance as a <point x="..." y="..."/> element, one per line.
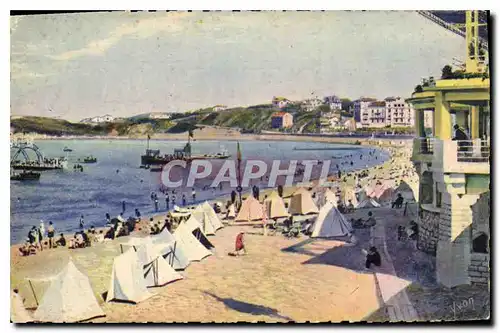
<point x="239" y="242"/>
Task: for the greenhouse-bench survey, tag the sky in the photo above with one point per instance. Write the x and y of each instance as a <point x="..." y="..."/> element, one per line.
<point x="74" y="66"/>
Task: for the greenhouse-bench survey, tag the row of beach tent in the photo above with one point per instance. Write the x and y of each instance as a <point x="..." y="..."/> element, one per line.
<point x="147" y="262"/>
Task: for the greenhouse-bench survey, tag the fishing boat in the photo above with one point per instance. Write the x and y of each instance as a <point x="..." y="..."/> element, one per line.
<point x="25" y="175"/>
<point x="154" y="157"/>
<point x="66" y="149"/>
<point x="88" y="160"/>
<point x="156" y="169"/>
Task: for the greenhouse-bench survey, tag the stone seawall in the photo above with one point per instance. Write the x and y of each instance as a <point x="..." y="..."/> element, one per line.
<point x="428" y="231"/>
<point x="479" y="271"/>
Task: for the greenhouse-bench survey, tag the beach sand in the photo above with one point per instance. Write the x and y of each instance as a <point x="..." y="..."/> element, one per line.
<point x="269" y="284"/>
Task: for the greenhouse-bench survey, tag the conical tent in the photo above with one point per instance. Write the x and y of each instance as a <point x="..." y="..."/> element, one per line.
<point x="195" y="226"/>
<point x="326" y="196"/>
<point x="331" y="223"/>
<point x="302" y="203"/>
<point x="193" y="249"/>
<point x="202" y="220"/>
<point x="157" y="271"/>
<point x="368" y="203"/>
<point x="405" y="190"/>
<point x="171" y="249"/>
<point x="349" y="194"/>
<point x="275" y="207"/>
<point x="18" y="313"/>
<point x="127" y="279"/>
<point x="68" y="299"/>
<point x="386" y="195"/>
<point x="362" y="195"/>
<point x="212" y="215"/>
<point x="251" y="210"/>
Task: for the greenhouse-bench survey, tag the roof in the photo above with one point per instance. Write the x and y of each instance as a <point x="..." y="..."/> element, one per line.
<point x="279" y="99"/>
<point x="220" y="105"/>
<point x="279" y="114"/>
<point x="377" y="104"/>
<point x="366" y="99"/>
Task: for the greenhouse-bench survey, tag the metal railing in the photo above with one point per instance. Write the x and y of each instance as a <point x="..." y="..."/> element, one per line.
<point x="426" y="146"/>
<point x="473" y="151"/>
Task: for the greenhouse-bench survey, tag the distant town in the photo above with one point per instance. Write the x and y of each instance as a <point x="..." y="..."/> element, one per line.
<point x="328" y="115"/>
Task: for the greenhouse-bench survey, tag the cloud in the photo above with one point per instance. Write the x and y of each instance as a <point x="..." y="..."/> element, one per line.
<point x="139" y="28"/>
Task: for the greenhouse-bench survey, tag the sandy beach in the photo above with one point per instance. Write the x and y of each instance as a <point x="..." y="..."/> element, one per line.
<point x="272" y="283"/>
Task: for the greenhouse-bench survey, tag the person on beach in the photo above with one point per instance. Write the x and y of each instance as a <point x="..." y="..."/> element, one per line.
<point x="173" y="200"/>
<point x="193" y="195"/>
<point x="61" y="241"/>
<point x="42" y="228"/>
<point x="123" y="206"/>
<point x="108" y="219"/>
<point x="156" y="204"/>
<point x="50" y="233"/>
<point x="152" y="196"/>
<point x="398" y="203"/>
<point x="370" y="222"/>
<point x="239" y="244"/>
<point x="167" y="202"/>
<point x="110" y="234"/>
<point x="372" y="257"/>
<point x="81" y="222"/>
<point x="138" y="215"/>
<point x="350" y="206"/>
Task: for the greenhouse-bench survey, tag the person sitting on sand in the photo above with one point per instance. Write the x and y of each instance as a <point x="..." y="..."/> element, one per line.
<point x="25" y="248"/>
<point x="138" y="215"/>
<point x="110" y="234"/>
<point x="61" y="241"/>
<point x="398" y="203"/>
<point x="372" y="257"/>
<point x="79" y="240"/>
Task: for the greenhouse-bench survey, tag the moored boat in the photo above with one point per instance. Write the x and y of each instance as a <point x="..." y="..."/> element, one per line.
<point x="25" y="175"/>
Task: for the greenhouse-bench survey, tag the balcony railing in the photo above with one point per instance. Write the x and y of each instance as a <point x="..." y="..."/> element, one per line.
<point x="473" y="151"/>
<point x="426" y="146"/>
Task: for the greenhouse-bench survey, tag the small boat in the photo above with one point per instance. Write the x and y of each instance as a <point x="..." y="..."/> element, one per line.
<point x="25" y="175"/>
<point x="89" y="159"/>
<point x="66" y="149"/>
<point x="156" y="169"/>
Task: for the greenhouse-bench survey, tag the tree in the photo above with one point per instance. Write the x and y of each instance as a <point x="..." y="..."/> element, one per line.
<point x="346" y="104"/>
<point x="418" y="89"/>
<point x="447" y="72"/>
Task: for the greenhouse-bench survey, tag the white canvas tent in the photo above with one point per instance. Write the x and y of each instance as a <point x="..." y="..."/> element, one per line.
<point x="165" y="244"/>
<point x="213" y="218"/>
<point x="68" y="299"/>
<point x="157" y="271"/>
<point x="326" y="196"/>
<point x="275" y="207"/>
<point x="349" y="194"/>
<point x="302" y="203"/>
<point x="196" y="229"/>
<point x="368" y="203"/>
<point x="405" y="190"/>
<point x="331" y="223"/>
<point x="386" y="196"/>
<point x="127" y="279"/>
<point x="193" y="249"/>
<point x="18" y="313"/>
<point x="231" y="212"/>
<point x="251" y="210"/>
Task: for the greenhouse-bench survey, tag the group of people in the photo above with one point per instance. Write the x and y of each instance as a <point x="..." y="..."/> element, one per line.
<point x="35" y="240"/>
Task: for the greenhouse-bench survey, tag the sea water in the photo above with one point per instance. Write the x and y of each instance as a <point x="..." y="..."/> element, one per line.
<point x="62" y="196"/>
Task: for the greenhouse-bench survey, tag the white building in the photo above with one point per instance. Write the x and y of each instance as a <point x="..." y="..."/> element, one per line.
<point x="399" y="113"/>
<point x="280" y="102"/>
<point x="99" y="119"/>
<point x="334" y="102"/>
<point x="218" y="108"/>
<point x="309" y="105"/>
<point x="159" y="115"/>
<point x="360" y="106"/>
<point x="374" y="115"/>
